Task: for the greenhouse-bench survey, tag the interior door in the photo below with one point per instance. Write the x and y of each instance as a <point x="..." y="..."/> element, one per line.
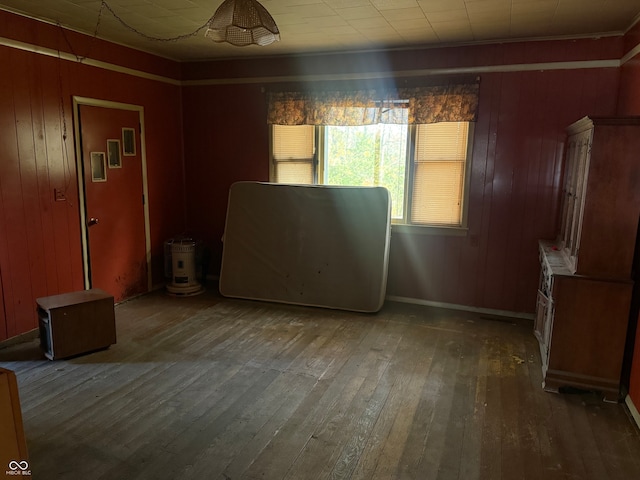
<point x="114" y="200"/>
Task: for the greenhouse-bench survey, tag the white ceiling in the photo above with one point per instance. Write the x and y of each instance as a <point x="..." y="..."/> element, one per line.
<point x="337" y="25"/>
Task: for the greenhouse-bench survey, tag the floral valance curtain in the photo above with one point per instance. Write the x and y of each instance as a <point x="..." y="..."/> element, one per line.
<point x="415" y="105"/>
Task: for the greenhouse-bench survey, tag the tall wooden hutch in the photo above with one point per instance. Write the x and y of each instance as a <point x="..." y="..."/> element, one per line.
<point x="586" y="281"/>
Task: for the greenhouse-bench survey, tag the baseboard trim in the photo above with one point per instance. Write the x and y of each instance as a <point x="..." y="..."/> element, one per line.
<point x="453" y="306"/>
<point x="22" y="338"/>
<point x="632" y="409"/>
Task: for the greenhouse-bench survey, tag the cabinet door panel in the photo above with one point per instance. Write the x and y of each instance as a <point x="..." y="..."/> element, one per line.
<point x="541" y="313"/>
<point x="589" y="327"/>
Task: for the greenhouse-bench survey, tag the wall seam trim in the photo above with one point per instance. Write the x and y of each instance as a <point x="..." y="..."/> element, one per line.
<point x="630" y="54"/>
<point x="632" y="409"/>
<point x="28" y="47"/>
<point x="516" y="67"/>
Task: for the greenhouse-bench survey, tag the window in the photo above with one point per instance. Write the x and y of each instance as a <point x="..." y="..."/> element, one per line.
<point x="293" y="154"/>
<point x="368" y="155"/>
<point x="413" y="140"/>
<point x="439" y="167"/>
<point x="424" y="166"/>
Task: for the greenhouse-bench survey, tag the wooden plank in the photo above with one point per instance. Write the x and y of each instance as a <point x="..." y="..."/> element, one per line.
<point x="3" y="318"/>
<point x="383" y="454"/>
<point x="424" y="446"/>
<point x="210" y="387"/>
<point x="515" y="434"/>
<point x="300" y="429"/>
<point x="504" y="194"/>
<point x="399" y="385"/>
<point x="485" y="246"/>
<point x="476" y="411"/>
<point x="269" y="410"/>
<point x="366" y="387"/>
<point x="520" y="157"/>
<point x="545" y="430"/>
<point x="458" y="440"/>
<point x="29" y="244"/>
<point x="54" y="174"/>
<point x="492" y="456"/>
<point x="10" y="202"/>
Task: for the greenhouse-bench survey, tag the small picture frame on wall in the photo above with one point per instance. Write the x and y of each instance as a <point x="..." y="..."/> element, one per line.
<point x="98" y="167"/>
<point x="113" y="151"/>
<point x="128" y="142"/>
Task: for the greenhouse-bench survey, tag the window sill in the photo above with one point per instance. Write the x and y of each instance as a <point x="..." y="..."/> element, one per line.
<point x="429" y="230"/>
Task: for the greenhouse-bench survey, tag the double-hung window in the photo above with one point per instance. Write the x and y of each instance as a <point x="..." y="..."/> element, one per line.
<point x="425" y="166"/>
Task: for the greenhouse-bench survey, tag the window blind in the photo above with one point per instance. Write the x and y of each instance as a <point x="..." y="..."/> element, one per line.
<point x="438" y="184"/>
<point x="293" y="153"/>
<point x="293" y="142"/>
<point x="294" y="172"/>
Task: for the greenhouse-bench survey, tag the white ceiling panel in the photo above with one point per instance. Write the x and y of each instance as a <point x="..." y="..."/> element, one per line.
<point x="334" y="25"/>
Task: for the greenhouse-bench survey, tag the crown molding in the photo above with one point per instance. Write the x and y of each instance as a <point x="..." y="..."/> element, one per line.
<point x="520" y="67"/>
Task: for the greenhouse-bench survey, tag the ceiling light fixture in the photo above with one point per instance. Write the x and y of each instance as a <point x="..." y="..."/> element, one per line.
<point x="241" y="23"/>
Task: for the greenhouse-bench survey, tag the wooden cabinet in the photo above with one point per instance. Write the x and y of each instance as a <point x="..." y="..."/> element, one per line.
<point x="581" y="325"/>
<point x="585" y="290"/>
<point x="601" y="196"/>
<point x="75" y="323"/>
<point x="13" y="446"/>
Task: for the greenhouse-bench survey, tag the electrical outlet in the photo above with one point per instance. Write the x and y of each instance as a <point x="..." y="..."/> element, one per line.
<point x="59" y="195"/>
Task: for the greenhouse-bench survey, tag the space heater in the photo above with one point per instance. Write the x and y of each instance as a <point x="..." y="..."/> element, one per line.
<point x="183" y="268"/>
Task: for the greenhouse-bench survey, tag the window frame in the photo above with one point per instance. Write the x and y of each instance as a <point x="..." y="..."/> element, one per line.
<point x="466" y="187"/>
<point x="404" y="224"/>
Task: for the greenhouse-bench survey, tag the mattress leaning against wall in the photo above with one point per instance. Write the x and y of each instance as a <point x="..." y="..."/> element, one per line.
<point x="323" y="246"/>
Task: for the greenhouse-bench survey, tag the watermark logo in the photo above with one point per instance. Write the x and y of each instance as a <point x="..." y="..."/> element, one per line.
<point x="18" y="468"/>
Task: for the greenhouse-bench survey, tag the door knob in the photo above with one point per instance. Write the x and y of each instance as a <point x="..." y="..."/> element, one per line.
<point x="92" y="221"/>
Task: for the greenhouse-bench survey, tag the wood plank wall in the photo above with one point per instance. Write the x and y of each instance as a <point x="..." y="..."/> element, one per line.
<point x="629" y="104"/>
<point x="40" y="241"/>
<point x="516" y="169"/>
<point x="629" y="98"/>
<point x="40" y="244"/>
<point x="514" y="196"/>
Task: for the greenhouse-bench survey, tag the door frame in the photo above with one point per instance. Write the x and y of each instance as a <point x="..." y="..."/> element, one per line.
<point x="82" y="197"/>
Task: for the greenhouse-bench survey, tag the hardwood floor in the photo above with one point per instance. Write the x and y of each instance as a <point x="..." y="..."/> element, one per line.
<point x="213" y="388"/>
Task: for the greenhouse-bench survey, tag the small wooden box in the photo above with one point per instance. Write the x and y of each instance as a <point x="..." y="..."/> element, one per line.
<point x="75" y="323"/>
<point x="13" y="445"/>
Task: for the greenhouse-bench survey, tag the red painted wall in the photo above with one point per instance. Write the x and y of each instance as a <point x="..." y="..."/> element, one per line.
<point x="515" y="172"/>
<point x="515" y="185"/>
<point x="629" y="98"/>
<point x="629" y="104"/>
<point x="40" y="244"/>
<point x="221" y="132"/>
<point x="313" y="66"/>
<point x="225" y="140"/>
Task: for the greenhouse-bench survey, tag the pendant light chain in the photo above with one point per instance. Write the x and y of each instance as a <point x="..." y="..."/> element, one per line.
<point x="149" y="37"/>
<point x="238" y="22"/>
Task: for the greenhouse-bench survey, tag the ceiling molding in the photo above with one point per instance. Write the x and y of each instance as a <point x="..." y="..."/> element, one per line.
<point x="522" y="67"/>
<point x="28" y="47"/>
<point x="633" y="23"/>
<point x="630" y="54"/>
